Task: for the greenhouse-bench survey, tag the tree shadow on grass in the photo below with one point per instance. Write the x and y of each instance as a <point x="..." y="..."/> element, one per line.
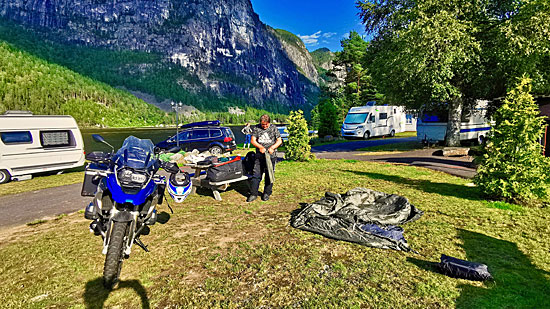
<point x="517" y="282"/>
<point x="448" y="189"/>
<point x="95" y="294"/>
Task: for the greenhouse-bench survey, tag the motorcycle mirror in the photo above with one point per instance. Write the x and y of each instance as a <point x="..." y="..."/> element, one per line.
<point x="100" y="139"/>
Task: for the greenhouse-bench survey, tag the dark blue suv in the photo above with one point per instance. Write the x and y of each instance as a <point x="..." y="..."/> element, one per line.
<point x="205" y="135"/>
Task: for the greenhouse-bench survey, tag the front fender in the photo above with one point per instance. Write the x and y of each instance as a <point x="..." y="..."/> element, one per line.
<point x="123" y="216"/>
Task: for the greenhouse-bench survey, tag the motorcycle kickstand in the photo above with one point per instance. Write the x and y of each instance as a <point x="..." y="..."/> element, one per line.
<point x="166" y="199"/>
<point x="138" y="242"/>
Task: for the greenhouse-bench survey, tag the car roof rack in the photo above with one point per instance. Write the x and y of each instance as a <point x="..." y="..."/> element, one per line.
<point x="201" y="124"/>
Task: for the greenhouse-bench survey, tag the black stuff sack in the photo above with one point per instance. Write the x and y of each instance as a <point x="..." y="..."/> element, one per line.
<point x="462" y="269"/>
<point x="228" y="170"/>
<point x="248" y="163"/>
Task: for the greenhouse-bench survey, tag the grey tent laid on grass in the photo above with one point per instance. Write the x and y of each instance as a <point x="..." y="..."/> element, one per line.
<point x="360" y="215"/>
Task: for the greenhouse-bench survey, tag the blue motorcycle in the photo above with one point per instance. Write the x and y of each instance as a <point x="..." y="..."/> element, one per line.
<point x="126" y="190"/>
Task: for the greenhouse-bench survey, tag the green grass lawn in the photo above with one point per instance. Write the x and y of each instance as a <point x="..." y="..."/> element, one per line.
<point x="233" y="254"/>
<point x="39" y="182"/>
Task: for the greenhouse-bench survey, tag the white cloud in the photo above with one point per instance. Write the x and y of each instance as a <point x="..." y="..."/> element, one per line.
<point x="312" y="39"/>
<point x="329" y="34"/>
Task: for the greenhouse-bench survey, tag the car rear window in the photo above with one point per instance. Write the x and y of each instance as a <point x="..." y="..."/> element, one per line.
<point x="228" y="133"/>
<point x="215" y="133"/>
<point x="19" y="137"/>
<point x="200" y="133"/>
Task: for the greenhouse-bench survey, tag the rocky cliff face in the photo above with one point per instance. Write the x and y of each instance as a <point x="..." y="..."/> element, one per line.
<point x="222" y="42"/>
<point x="297" y="52"/>
<point x="331" y="75"/>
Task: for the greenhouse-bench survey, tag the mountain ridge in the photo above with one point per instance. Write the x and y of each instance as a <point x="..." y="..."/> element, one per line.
<point x="219" y="50"/>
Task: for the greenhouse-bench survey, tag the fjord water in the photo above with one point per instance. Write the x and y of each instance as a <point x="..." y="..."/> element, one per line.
<point x="115" y="136"/>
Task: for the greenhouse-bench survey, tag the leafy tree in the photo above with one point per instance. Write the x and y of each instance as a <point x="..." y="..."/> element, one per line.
<point x="315" y="120"/>
<point x="297" y="146"/>
<point x="329" y="115"/>
<point x="454" y="51"/>
<point x="513" y="167"/>
<point x="358" y="88"/>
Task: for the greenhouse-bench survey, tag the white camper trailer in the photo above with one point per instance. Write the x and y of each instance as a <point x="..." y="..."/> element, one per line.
<point x="32" y="144"/>
<point x="432" y="126"/>
<point x="369" y="121"/>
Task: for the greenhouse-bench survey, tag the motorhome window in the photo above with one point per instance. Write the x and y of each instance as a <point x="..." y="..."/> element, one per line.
<point x="355" y="118"/>
<point x="215" y="133"/>
<point x="435" y="116"/>
<point x="200" y="133"/>
<point x="383" y="116"/>
<point x="56" y="138"/>
<point x="372" y="118"/>
<point x="409" y="118"/>
<point x="20" y="137"/>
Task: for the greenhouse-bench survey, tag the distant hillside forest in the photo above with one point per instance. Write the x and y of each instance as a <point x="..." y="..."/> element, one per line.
<point x="30" y="83"/>
<point x="39" y="76"/>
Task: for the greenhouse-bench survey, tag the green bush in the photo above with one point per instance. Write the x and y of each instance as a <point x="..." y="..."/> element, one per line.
<point x="297" y="146"/>
<point x="513" y="168"/>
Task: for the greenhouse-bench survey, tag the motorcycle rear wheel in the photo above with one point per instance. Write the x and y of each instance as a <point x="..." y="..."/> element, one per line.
<point x="115" y="255"/>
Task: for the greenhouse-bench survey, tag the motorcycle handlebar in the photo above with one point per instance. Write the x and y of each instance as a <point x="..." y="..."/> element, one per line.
<point x="103" y="173"/>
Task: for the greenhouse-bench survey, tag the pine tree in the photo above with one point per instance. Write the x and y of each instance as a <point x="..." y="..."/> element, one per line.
<point x="513" y="167"/>
<point x="297" y="146"/>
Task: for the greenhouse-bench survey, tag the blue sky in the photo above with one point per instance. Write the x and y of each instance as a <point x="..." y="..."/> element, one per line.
<point x="319" y="23"/>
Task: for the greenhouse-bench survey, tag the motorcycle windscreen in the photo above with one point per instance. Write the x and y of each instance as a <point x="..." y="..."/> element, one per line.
<point x="136" y="153"/>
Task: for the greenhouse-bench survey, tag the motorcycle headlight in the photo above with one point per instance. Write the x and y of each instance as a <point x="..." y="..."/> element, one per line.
<point x="129" y="176"/>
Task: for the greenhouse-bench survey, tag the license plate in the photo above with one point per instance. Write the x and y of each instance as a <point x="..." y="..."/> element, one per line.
<point x="139" y="178"/>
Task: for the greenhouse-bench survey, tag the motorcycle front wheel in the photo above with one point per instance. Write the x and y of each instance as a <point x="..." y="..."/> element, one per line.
<point x="115" y="255"/>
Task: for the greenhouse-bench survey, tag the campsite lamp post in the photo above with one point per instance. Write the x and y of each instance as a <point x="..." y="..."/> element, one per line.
<point x="177" y="107"/>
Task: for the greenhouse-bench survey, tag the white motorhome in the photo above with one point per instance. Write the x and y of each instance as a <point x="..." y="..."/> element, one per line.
<point x="431" y="127"/>
<point x="31" y="144"/>
<point x="369" y="121"/>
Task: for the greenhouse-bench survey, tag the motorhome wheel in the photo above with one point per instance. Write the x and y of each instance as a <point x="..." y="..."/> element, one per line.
<point x="4" y="176"/>
<point x="392" y="133"/>
<point x="366" y="135"/>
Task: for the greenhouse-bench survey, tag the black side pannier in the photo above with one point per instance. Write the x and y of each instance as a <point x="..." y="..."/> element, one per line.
<point x="458" y="268"/>
<point x="225" y="171"/>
